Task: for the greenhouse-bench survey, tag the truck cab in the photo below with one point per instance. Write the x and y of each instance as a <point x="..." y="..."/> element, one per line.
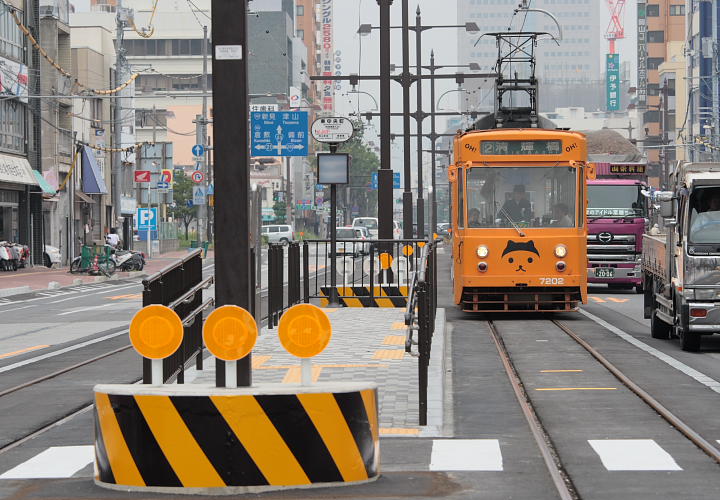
<point x="682" y="266"/>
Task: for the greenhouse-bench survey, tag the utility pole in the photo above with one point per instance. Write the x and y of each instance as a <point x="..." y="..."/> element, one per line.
<point x="419" y="118"/>
<point x="405" y="79"/>
<point x="433" y="143"/>
<point x="385" y="174"/>
<point x="120" y="77"/>
<point x="201" y="138"/>
<point x="231" y="152"/>
<point x="288" y="193"/>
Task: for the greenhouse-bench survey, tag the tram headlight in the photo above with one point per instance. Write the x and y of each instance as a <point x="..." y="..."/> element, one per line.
<point x="560" y="251"/>
<point x="482" y="251"/>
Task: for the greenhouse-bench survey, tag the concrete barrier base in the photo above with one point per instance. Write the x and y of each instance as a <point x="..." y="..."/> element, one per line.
<point x="194" y="439"/>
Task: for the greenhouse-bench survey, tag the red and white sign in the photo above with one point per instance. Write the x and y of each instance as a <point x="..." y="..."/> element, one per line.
<point x="197" y="176"/>
<point x="166" y="176"/>
<point x="142" y="176"/>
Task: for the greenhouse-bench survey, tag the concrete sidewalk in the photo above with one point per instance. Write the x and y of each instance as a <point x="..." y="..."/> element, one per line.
<point x="39" y="277"/>
<point x="369" y="345"/>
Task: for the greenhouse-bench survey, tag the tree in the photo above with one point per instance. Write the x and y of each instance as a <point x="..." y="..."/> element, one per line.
<point x="182" y="193"/>
<point x="280" y="209"/>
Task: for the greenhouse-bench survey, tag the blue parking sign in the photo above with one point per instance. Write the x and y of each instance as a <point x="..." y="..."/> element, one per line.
<point x="147" y="219"/>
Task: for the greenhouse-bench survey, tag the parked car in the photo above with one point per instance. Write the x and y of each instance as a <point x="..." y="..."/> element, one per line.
<point x="278" y="233"/>
<point x="369" y="223"/>
<point x="352" y="248"/>
<point x="51" y="256"/>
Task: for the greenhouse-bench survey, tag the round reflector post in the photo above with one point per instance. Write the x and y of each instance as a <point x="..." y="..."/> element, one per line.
<point x="230" y="333"/>
<point x="156" y="332"/>
<point x="305" y="331"/>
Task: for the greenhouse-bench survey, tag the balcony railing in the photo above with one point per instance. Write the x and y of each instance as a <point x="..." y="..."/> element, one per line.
<point x="59" y="9"/>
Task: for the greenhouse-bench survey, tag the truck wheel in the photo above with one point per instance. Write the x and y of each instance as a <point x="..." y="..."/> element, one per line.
<point x="658" y="328"/>
<point x="689" y="341"/>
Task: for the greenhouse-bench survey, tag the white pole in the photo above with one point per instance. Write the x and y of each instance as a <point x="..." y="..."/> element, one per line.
<point x="156" y="370"/>
<point x="231" y="374"/>
<point x="306" y="371"/>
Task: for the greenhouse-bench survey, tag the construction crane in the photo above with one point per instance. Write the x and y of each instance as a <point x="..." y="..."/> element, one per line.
<point x="615" y="29"/>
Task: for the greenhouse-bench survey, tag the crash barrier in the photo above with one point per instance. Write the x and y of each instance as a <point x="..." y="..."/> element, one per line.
<point x="277" y="301"/>
<point x="179" y="286"/>
<point x="370" y="273"/>
<point x="420" y="316"/>
<point x="225" y="440"/>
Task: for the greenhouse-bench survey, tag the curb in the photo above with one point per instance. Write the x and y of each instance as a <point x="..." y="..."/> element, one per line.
<point x="436" y="377"/>
<point x="9" y="292"/>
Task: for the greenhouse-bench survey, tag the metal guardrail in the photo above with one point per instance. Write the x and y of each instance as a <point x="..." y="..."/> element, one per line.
<point x="277" y="302"/>
<point x="179" y="286"/>
<point x="420" y="316"/>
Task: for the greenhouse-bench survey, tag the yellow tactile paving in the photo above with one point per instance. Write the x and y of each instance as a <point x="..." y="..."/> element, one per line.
<point x="399" y="325"/>
<point x="389" y="354"/>
<point x="258" y="361"/>
<point x="394" y="340"/>
<point x="398" y="431"/>
<point x="294" y="374"/>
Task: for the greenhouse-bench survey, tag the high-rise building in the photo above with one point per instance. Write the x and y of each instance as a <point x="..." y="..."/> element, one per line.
<point x="659" y="22"/>
<point x="569" y="73"/>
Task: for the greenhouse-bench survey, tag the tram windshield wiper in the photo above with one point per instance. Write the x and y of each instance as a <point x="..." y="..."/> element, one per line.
<point x="517" y="228"/>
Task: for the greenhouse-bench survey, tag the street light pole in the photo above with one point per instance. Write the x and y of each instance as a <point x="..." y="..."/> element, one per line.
<point x="433" y="142"/>
<point x="405" y="81"/>
<point x="419" y="118"/>
<point x="385" y="176"/>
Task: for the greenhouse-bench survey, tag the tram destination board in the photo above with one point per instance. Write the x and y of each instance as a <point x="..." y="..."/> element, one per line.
<point x="540" y="147"/>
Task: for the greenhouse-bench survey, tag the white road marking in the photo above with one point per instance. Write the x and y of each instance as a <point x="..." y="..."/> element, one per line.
<point x="16" y="309"/>
<point x="82" y="309"/>
<point x="57" y="461"/>
<point x="678" y="365"/>
<point x="72" y="290"/>
<point x="466" y="454"/>
<point x="633" y="454"/>
<point x="62" y="351"/>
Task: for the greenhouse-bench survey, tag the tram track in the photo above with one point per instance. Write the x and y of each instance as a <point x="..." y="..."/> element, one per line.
<point x="551" y="457"/>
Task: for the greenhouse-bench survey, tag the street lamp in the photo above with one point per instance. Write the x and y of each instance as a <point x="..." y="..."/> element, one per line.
<point x="444" y="94"/>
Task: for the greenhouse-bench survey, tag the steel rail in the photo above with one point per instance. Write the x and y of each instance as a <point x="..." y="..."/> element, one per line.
<point x="64" y="370"/>
<point x="653" y="403"/>
<point x="561" y="480"/>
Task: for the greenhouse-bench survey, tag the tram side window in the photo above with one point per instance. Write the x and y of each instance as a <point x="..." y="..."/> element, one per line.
<point x="521" y="196"/>
<point x="460" y="198"/>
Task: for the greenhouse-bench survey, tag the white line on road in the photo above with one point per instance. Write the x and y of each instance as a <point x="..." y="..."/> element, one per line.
<point x="62" y="351"/>
<point x="466" y="454"/>
<point x="633" y="454"/>
<point x="16" y="309"/>
<point x="91" y="308"/>
<point x="55" y="462"/>
<point x="678" y="365"/>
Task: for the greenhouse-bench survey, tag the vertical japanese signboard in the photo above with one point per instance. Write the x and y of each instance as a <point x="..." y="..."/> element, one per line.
<point x="612" y="75"/>
<point x="641" y="54"/>
<point x="327" y="56"/>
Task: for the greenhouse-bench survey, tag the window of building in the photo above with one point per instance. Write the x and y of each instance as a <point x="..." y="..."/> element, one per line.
<point x="653" y="89"/>
<point x="652" y="10"/>
<point x="301" y="34"/>
<point x="12" y="126"/>
<point x="11" y="38"/>
<point x="654" y="62"/>
<point x="300" y="10"/>
<point x="652" y="116"/>
<point x="656" y="36"/>
<point x="677" y="10"/>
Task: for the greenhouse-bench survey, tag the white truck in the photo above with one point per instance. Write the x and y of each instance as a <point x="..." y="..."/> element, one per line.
<point x="681" y="263"/>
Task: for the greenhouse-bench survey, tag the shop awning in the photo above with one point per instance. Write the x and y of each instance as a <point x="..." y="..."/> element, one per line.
<point x="44" y="184"/>
<point x="92" y="179"/>
<point x="80" y="196"/>
<point x="16" y="170"/>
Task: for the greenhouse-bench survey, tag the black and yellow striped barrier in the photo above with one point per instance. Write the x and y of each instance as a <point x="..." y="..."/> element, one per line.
<point x="235" y="439"/>
<point x="360" y="296"/>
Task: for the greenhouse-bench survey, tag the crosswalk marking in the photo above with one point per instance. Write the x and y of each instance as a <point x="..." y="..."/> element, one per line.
<point x="633" y="455"/>
<point x="55" y="462"/>
<point x="466" y="455"/>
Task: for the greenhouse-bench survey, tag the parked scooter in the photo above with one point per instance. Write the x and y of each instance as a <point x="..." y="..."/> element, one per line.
<point x="128" y="260"/>
<point x="7" y="259"/>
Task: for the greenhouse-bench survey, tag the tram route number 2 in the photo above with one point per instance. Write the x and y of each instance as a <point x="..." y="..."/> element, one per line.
<point x="552" y="281"/>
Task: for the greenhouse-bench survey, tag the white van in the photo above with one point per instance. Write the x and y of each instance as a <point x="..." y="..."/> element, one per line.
<point x="278" y="233"/>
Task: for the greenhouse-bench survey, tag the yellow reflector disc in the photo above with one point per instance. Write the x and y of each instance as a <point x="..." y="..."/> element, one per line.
<point x="408" y="250"/>
<point x="421" y="244"/>
<point x="304" y="330"/>
<point x="230" y="333"/>
<point x="156" y="331"/>
<point x="386" y="260"/>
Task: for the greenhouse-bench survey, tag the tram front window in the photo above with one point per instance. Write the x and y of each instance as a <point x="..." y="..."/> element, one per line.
<point x="524" y="196"/>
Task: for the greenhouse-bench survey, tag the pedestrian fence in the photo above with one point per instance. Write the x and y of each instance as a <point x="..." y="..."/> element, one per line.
<point x="278" y="299"/>
<point x="420" y="317"/>
<point x="179" y="286"/>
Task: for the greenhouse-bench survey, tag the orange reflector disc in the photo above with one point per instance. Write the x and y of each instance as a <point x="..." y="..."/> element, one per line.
<point x="230" y="333"/>
<point x="156" y="331"/>
<point x="304" y="330"/>
<point x="386" y="260"/>
<point x="408" y="250"/>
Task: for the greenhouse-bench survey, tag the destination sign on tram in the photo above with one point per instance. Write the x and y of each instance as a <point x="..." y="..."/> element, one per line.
<point x="547" y="147"/>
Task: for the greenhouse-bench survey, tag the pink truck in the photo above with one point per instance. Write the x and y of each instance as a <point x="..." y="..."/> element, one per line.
<point x="617" y="219"/>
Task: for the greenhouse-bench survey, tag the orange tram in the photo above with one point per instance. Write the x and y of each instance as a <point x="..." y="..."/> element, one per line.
<point x="519" y="220"/>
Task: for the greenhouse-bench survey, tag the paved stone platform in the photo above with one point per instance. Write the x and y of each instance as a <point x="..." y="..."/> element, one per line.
<point x="366" y="344"/>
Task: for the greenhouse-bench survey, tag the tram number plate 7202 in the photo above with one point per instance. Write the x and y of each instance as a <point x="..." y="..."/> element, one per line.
<point x="552" y="281"/>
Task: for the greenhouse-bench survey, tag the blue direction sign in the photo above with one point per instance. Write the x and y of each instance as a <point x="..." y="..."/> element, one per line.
<point x="147" y="219"/>
<point x="198" y="150"/>
<point x="279" y="133"/>
<point x="163" y="185"/>
<point x="396" y="180"/>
